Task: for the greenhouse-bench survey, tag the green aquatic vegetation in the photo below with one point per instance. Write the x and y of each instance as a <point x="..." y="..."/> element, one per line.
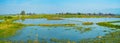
<point x="87" y="29"/>
<point x="50" y="25"/>
<point x="79" y="28"/>
<point x="82" y="30"/>
<point x="56" y="24"/>
<point x="54" y="18"/>
<point x="107" y="24"/>
<point x="87" y="23"/>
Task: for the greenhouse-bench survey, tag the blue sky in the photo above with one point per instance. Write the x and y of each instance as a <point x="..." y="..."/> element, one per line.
<point x="57" y="6"/>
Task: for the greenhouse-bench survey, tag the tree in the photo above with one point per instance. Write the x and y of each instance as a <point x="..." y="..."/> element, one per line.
<point x="22" y="13"/>
<point x="79" y="13"/>
<point x="100" y="13"/>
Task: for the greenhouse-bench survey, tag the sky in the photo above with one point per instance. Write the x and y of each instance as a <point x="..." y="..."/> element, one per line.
<point x="59" y="6"/>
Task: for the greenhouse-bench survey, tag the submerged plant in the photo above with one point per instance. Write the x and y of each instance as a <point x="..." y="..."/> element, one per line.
<point x="87" y="29"/>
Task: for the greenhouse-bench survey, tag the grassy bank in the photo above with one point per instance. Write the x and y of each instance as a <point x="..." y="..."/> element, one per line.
<point x="9" y="29"/>
<point x="55" y="15"/>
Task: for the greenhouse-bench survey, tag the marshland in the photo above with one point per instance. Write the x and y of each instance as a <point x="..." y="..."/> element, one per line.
<point x="59" y="21"/>
<point x="59" y="28"/>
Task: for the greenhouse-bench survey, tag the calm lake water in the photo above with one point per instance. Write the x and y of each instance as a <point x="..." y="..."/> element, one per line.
<point x="62" y="32"/>
<point x="1" y="20"/>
